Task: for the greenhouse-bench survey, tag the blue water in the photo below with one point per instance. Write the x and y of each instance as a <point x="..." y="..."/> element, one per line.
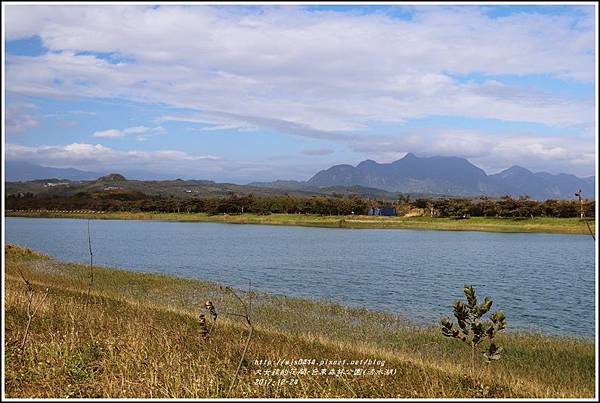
<point x="543" y="282"/>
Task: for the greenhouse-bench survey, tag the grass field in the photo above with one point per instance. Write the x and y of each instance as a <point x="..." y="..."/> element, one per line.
<point x="537" y="224"/>
<point x="138" y="335"/>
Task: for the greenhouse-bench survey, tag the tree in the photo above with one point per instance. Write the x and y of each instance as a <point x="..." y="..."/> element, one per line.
<point x="471" y="329"/>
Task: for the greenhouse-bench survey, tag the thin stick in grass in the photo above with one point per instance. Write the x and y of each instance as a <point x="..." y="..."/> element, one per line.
<point x="91" y="282"/>
<point x="590" y="229"/>
<point x="31" y="309"/>
<point x="246" y="315"/>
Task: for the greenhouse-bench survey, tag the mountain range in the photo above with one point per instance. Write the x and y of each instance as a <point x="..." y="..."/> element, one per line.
<point x="20" y="171"/>
<point x="435" y="176"/>
<point x="452" y="176"/>
<point x="449" y="176"/>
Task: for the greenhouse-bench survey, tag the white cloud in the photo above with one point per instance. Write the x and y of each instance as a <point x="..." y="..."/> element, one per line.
<point x="109" y="133"/>
<point x="99" y="157"/>
<point x="328" y="71"/>
<point x="166" y="163"/>
<point x="490" y="151"/>
<point x="140" y="130"/>
<point x="323" y="75"/>
<point x="20" y="118"/>
<point x="213" y="121"/>
<point x="20" y="122"/>
<point x="136" y="130"/>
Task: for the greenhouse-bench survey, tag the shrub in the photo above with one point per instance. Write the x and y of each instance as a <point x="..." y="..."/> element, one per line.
<point x="472" y="329"/>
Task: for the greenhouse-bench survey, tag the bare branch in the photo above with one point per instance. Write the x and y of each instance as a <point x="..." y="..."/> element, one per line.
<point x="246" y="315"/>
<point x="590" y="229"/>
<point x="91" y="261"/>
<point x="249" y="298"/>
<point x="31" y="308"/>
<point x="27" y="283"/>
<point x="234" y="314"/>
<point x="229" y="289"/>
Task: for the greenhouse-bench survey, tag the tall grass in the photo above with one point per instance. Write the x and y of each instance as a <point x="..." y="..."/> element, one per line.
<point x="139" y="337"/>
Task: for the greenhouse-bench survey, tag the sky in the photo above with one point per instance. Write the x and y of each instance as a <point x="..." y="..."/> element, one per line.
<point x="258" y="93"/>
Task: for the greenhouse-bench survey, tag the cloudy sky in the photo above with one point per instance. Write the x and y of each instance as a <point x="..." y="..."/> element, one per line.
<point x="243" y="93"/>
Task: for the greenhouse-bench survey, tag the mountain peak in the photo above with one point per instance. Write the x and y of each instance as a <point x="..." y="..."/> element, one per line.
<point x="518" y="168"/>
<point x="366" y="163"/>
<point x="112" y="178"/>
<point x="449" y="176"/>
<point x="514" y="170"/>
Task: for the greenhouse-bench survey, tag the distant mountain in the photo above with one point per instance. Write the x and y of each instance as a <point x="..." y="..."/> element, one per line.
<point x="411" y="174"/>
<point x="180" y="188"/>
<point x="590" y="180"/>
<point x="112" y="178"/>
<point x="452" y="176"/>
<point x="518" y="180"/>
<point x="419" y="177"/>
<point x="19" y="171"/>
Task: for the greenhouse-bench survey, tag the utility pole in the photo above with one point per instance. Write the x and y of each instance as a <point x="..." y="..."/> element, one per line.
<point x="578" y="194"/>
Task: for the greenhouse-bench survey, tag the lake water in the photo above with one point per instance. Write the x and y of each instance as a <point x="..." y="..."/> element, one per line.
<point x="543" y="282"/>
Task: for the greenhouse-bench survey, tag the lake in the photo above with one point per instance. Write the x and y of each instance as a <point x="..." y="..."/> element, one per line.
<point x="543" y="282"/>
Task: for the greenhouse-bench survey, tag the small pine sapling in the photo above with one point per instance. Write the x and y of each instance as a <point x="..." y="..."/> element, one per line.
<point x="472" y="329"/>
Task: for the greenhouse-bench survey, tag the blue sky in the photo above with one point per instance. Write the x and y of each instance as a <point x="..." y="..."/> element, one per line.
<point x="239" y="93"/>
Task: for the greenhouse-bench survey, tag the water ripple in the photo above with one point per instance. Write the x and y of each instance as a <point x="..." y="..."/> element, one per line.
<point x="543" y="282"/>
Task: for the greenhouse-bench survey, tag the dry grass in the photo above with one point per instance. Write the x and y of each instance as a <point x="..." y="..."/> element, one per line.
<point x="139" y="337"/>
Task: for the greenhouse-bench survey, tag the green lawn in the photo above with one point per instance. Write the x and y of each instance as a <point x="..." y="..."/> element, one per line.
<point x="537" y="224"/>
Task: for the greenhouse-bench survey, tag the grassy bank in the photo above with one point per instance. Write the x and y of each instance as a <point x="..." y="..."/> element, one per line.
<point x="138" y="335"/>
<point x="537" y="224"/>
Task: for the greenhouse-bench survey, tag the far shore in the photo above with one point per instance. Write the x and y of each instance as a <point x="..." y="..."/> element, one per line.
<point x="486" y="224"/>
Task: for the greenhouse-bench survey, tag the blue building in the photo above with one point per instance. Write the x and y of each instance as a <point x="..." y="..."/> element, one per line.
<point x="382" y="211"/>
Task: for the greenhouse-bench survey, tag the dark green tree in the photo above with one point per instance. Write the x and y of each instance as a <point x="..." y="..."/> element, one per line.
<point x="472" y="329"/>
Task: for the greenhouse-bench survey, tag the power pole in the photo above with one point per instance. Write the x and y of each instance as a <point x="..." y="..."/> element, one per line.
<point x="578" y="194"/>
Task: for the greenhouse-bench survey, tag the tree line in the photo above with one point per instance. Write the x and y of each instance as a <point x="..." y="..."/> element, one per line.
<point x="506" y="206"/>
<point x="129" y="201"/>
